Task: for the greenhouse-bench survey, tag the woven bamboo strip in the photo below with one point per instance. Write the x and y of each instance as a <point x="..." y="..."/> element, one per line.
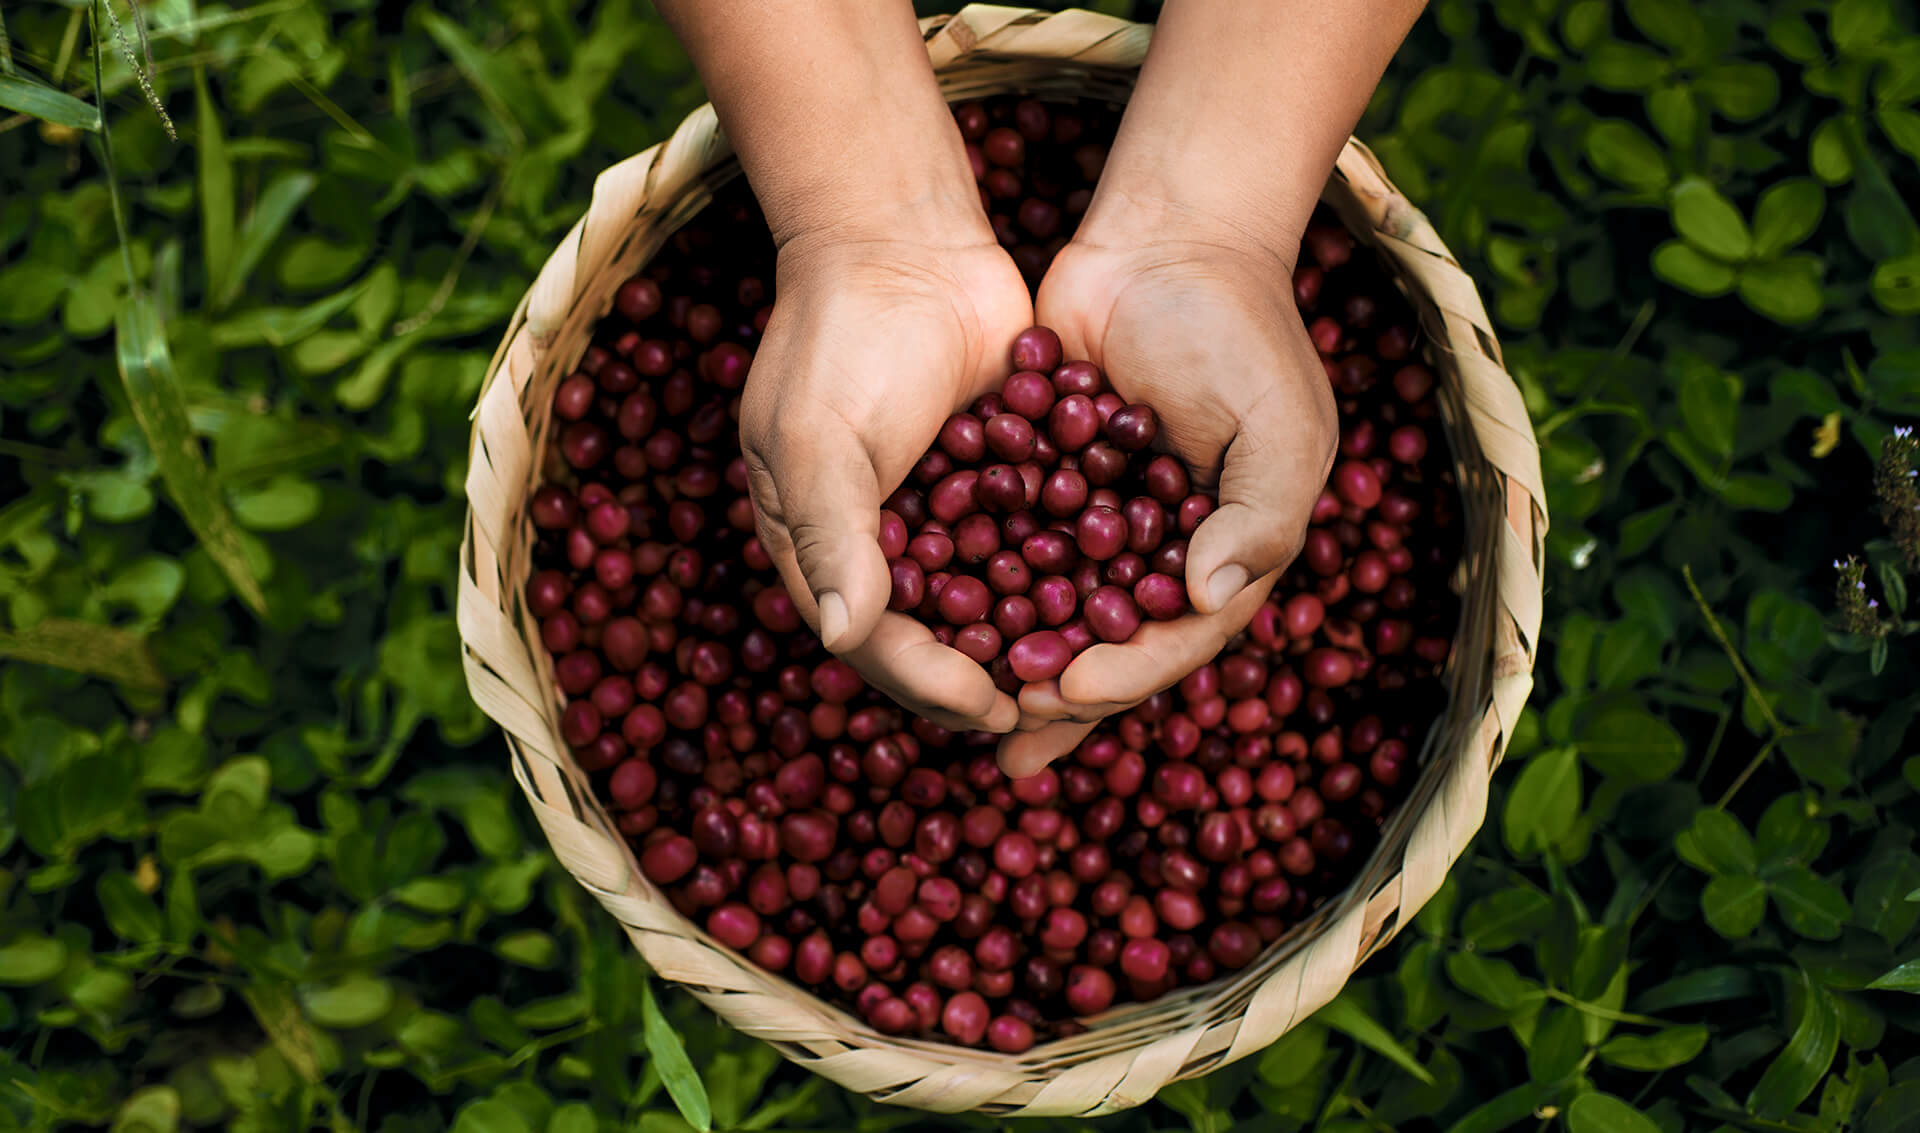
<point x="1130" y="1053"/>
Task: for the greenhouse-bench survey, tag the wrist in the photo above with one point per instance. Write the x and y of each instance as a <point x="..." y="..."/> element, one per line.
<point x="1148" y="207"/>
<point x="904" y="195"/>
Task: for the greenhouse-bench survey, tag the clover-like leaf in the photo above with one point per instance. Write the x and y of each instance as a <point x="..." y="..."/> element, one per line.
<point x="1788" y="213"/>
<point x="1786" y="290"/>
<point x="1690" y="269"/>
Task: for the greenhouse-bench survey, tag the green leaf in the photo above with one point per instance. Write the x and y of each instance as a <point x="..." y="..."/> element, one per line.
<point x="1708" y="221"/>
<point x="1906" y="977"/>
<point x="671" y="1063"/>
<point x="355" y="1001"/>
<point x="1543" y="803"/>
<point x="1584" y="22"/>
<point x="1902" y="127"/>
<point x="432" y="894"/>
<point x="1810" y="906"/>
<point x="130" y="913"/>
<point x="1558" y="1045"/>
<point x="1632" y="744"/>
<point x="1506" y="917"/>
<point x="1505" y="1110"/>
<point x="1740" y="91"/>
<point x="1716" y="843"/>
<point x="574" y="1117"/>
<point x="281" y="504"/>
<point x="1704" y="985"/>
<point x="1573" y="649"/>
<point x="1858" y="24"/>
<point x="1604" y="1113"/>
<point x="1788" y="213"/>
<point x="1673" y="26"/>
<point x="1832" y="162"/>
<point x="1788" y="835"/>
<point x="1734" y="904"/>
<point x="529" y="949"/>
<point x="159" y="405"/>
<point x="276" y="206"/>
<point x="1756" y="493"/>
<point x="1794" y="1073"/>
<point x="150" y="1109"/>
<point x="1629" y="652"/>
<point x="1878" y="905"/>
<point x="1896" y="285"/>
<point x="1350" y="1019"/>
<point x="30" y="959"/>
<point x="86" y="647"/>
<point x="1621" y="152"/>
<point x="41" y="101"/>
<point x="216" y="188"/>
<point x="1676" y="115"/>
<point x="501" y="85"/>
<point x="1492" y="981"/>
<point x="490" y="1115"/>
<point x="1692" y="270"/>
<point x="1627" y="66"/>
<point x="1786" y="290"/>
<point x="149" y="584"/>
<point x="1668" y="1047"/>
<point x="1710" y="405"/>
<point x="1294" y="1057"/>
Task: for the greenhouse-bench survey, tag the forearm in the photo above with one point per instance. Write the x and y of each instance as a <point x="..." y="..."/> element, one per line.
<point x="834" y="112"/>
<point x="1241" y="111"/>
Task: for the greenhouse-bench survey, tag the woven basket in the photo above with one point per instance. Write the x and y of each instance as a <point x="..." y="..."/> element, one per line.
<point x="1131" y="1052"/>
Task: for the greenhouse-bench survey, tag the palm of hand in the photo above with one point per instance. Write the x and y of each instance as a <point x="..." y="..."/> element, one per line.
<point x="1210" y="338"/>
<point x="871" y="347"/>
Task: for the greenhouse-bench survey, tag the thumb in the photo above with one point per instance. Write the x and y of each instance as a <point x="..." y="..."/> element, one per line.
<point x="817" y="507"/>
<point x="1272" y="473"/>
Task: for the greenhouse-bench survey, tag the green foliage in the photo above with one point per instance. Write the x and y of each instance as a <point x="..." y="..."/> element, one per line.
<point x="262" y="866"/>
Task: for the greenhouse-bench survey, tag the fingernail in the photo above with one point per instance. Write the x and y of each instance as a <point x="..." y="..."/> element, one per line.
<point x="834" y="618"/>
<point x="1225" y="583"/>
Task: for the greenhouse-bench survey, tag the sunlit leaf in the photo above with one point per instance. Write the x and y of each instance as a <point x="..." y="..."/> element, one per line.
<point x="153" y="390"/>
<point x="670" y="1061"/>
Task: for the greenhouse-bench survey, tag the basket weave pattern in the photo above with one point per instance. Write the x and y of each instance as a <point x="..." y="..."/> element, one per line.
<point x="1131" y="1052"/>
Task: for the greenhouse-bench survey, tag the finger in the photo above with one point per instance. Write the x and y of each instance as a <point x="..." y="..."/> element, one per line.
<point x="1023" y="754"/>
<point x="817" y="506"/>
<point x="903" y="659"/>
<point x="1273" y="471"/>
<point x="1159" y="654"/>
<point x="1041" y="704"/>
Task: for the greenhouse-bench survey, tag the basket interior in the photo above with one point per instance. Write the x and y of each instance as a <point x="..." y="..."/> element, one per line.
<point x="1376" y="888"/>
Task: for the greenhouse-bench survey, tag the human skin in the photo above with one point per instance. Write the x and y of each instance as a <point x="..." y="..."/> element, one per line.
<point x="1177" y="284"/>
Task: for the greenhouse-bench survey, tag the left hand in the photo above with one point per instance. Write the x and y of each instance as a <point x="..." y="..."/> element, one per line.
<point x="1201" y="326"/>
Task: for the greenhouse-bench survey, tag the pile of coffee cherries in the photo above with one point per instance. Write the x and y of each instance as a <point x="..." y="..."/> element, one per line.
<point x="1045" y="521"/>
<point x="879" y="861"/>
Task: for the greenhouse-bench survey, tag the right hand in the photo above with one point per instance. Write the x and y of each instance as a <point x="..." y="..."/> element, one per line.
<point x="873" y="344"/>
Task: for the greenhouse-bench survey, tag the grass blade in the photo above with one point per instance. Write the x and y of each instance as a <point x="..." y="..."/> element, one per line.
<point x="1347" y="1017"/>
<point x="1797" y="1070"/>
<point x="43" y="102"/>
<point x="269" y="217"/>
<point x="216" y="188"/>
<point x="153" y="391"/>
<point x="86" y="647"/>
<point x="670" y="1061"/>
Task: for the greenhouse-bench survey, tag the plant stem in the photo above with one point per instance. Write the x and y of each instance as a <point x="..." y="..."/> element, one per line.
<point x="1746" y="773"/>
<point x="1726" y="643"/>
<point x="106" y="157"/>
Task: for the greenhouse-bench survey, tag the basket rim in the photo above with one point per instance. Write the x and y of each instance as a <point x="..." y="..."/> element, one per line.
<point x="658" y="190"/>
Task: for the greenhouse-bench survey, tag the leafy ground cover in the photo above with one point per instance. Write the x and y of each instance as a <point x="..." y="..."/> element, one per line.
<point x="261" y="863"/>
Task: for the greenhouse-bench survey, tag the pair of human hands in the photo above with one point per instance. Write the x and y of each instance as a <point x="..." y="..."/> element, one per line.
<point x="874" y="343"/>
